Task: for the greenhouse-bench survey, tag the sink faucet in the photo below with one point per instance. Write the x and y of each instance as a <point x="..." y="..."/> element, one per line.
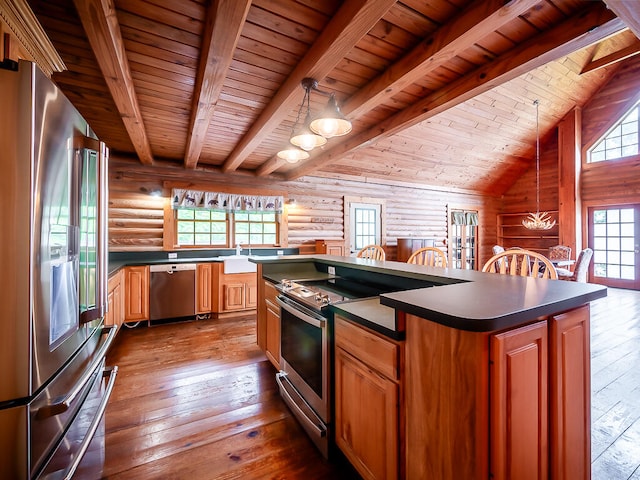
<point x="238" y="249"/>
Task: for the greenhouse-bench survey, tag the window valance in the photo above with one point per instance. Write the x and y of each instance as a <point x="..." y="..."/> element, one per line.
<point x="226" y="202"/>
<point x="464" y="218"/>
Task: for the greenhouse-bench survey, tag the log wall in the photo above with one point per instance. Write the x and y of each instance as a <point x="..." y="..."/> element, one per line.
<point x="136" y="218"/>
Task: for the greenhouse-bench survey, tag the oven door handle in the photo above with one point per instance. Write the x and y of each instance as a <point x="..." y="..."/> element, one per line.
<point x="304" y="417"/>
<point x="316" y="321"/>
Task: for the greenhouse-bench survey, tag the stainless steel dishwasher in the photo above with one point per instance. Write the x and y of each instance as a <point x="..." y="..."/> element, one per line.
<point x="172" y="291"/>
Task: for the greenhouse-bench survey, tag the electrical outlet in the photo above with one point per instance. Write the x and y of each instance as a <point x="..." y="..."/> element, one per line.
<point x="332" y="270"/>
<point x="280" y="252"/>
<point x="173" y="255"/>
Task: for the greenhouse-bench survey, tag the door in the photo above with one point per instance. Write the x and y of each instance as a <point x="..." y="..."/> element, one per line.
<point x="463" y="236"/>
<point x="614" y="233"/>
<point x="365" y="225"/>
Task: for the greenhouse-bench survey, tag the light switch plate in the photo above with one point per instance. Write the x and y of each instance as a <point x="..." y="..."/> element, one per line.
<point x="173" y="255"/>
<point x="331" y="270"/>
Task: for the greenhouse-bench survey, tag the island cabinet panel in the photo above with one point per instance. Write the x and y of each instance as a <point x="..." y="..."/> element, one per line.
<point x="447" y="402"/>
<point x="570" y="382"/>
<point x="136" y="281"/>
<point x="204" y="288"/>
<point x="368" y="414"/>
<point x="519" y="403"/>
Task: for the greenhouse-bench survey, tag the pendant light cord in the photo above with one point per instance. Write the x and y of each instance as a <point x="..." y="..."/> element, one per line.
<point x="536" y="103"/>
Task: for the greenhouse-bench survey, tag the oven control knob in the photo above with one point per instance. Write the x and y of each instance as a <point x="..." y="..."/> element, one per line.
<point x="286" y="283"/>
<point x="324" y="299"/>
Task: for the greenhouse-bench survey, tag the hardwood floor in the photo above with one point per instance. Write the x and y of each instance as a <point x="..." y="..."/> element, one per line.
<point x="198" y="400"/>
<point x="615" y="386"/>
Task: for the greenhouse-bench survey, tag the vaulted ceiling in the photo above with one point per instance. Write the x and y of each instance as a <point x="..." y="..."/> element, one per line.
<point x="440" y="92"/>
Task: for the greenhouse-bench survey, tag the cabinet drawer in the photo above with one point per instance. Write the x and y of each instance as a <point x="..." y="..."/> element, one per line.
<point x="379" y="353"/>
<point x="270" y="293"/>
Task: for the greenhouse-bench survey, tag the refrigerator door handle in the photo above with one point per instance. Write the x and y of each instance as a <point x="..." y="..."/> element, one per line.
<point x="62" y="405"/>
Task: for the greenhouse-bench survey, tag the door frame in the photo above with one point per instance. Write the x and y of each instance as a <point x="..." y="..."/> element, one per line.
<point x="589" y="207"/>
<point x="347" y="201"/>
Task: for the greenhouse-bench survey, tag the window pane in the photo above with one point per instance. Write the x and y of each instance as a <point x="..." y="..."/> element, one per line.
<point x="185" y="214"/>
<point x="184" y="227"/>
<point x="202" y="214"/>
<point x="185" y="239"/>
<point x="202" y="239"/>
<point x="243" y="217"/>
<point x="203" y="227"/>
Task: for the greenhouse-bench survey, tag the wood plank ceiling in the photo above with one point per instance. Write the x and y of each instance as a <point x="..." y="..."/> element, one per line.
<point x="439" y="92"/>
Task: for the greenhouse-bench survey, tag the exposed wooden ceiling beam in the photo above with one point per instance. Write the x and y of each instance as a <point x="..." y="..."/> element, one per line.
<point x="612" y="58"/>
<point x="447" y="42"/>
<point x="100" y="23"/>
<point x="477" y="21"/>
<point x="353" y="21"/>
<point x="225" y="19"/>
<point x="628" y="11"/>
<point x="567" y="37"/>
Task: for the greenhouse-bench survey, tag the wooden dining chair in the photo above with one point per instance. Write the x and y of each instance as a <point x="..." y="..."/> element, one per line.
<point x="521" y="262"/>
<point x="559" y="252"/>
<point x="581" y="269"/>
<point x="373" y="252"/>
<point x="429" y="256"/>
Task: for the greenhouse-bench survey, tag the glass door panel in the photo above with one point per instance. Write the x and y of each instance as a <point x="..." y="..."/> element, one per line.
<point x="614" y="233"/>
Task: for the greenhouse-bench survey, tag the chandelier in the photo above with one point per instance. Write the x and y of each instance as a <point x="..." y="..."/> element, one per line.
<point x="312" y="132"/>
<point x="538" y="220"/>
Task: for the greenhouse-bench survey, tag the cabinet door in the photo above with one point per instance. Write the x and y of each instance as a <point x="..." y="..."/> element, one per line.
<point x="273" y="334"/>
<point x="204" y="288"/>
<point x="136" y="281"/>
<point x="109" y="317"/>
<point x="118" y="305"/>
<point x="570" y="395"/>
<point x="366" y="415"/>
<point x="234" y="294"/>
<point x="251" y="295"/>
<point x="519" y="403"/>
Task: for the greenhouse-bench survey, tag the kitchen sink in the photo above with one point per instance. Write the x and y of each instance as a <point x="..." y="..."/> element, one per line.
<point x="238" y="264"/>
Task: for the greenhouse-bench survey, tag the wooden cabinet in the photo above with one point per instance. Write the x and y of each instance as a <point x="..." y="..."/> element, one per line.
<point x="515" y="404"/>
<point x="406" y="246"/>
<point x="541" y="376"/>
<point x="136" y="297"/>
<point x="272" y="324"/>
<point x="330" y="247"/>
<point x="233" y="292"/>
<point x="367" y="400"/>
<point x="511" y="233"/>
<point x="115" y="300"/>
<point x="204" y="288"/>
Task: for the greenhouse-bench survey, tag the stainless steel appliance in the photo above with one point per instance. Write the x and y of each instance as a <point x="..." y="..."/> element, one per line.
<point x="53" y="191"/>
<point x="305" y="349"/>
<point x="172" y="291"/>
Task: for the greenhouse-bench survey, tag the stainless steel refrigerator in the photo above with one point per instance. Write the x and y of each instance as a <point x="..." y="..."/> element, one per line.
<point x="53" y="186"/>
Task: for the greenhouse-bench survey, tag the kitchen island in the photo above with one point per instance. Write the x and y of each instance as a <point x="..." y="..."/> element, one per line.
<point x="491" y="375"/>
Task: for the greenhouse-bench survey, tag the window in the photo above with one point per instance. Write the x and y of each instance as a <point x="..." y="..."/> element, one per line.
<point x="363" y="222"/>
<point x="255" y="228"/>
<point x="621" y="141"/>
<point x="199" y="227"/>
<point x="222" y="220"/>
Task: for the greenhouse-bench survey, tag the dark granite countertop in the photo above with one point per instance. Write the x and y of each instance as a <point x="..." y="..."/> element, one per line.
<point x="463" y="299"/>
<point x="371" y="313"/>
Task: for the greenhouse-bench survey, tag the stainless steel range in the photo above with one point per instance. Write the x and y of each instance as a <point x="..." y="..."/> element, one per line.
<point x="305" y="350"/>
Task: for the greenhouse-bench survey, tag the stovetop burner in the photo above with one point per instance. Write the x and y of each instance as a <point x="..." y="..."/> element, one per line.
<point x="318" y="294"/>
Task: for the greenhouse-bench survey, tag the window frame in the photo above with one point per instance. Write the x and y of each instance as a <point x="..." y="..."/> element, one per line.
<point x="170" y="230"/>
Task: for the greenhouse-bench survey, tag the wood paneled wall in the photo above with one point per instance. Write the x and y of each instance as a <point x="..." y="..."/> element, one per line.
<point x="136" y="218"/>
<point x="617" y="181"/>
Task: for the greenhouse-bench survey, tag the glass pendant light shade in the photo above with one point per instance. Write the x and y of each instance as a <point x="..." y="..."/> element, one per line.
<point x="293" y="155"/>
<point x="331" y="122"/>
<point x="306" y="139"/>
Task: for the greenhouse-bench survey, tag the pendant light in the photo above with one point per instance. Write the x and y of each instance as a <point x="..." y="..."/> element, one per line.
<point x="538" y="220"/>
<point x="314" y="132"/>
